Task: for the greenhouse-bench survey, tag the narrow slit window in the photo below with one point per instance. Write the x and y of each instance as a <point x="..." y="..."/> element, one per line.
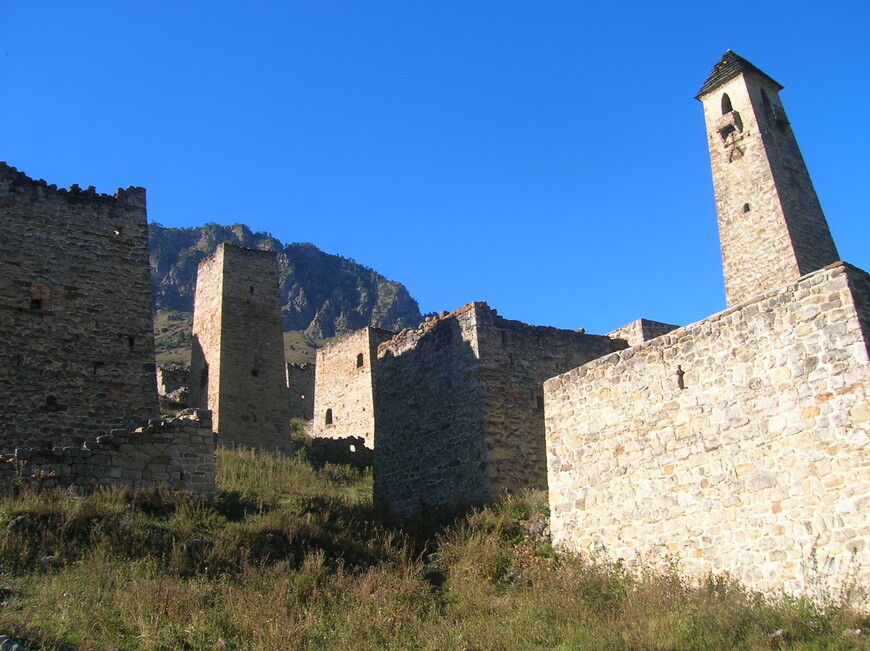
<point x="328" y="419"/>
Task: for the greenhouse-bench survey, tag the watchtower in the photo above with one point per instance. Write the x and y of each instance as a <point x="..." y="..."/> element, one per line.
<point x="771" y="226"/>
<point x="237" y="363"/>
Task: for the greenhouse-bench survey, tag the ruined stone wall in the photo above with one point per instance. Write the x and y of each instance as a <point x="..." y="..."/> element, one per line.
<point x="172" y="379"/>
<point x="300" y="387"/>
<point x="430" y="448"/>
<point x="344" y="386"/>
<point x="739" y="443"/>
<point x="515" y="359"/>
<point x="176" y="452"/>
<point x="237" y="363"/>
<point x="458" y="407"/>
<point x="76" y="329"/>
<point x="637" y="332"/>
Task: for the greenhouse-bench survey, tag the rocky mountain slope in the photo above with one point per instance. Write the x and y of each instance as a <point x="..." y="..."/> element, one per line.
<point x="322" y="295"/>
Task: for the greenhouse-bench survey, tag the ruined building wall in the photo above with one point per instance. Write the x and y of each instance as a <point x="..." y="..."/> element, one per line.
<point x="177" y="452"/>
<point x="515" y="359"/>
<point x="344" y="382"/>
<point x="300" y="387"/>
<point x="739" y="444"/>
<point x="459" y="412"/>
<point x="237" y="363"/>
<point x="76" y="329"/>
<point x="430" y="448"/>
<point x="637" y="332"/>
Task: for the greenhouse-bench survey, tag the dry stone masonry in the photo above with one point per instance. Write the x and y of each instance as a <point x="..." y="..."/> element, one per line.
<point x="344" y="385"/>
<point x="741" y="443"/>
<point x="177" y="452"/>
<point x="237" y="363"/>
<point x="76" y="329"/>
<point x="459" y="407"/>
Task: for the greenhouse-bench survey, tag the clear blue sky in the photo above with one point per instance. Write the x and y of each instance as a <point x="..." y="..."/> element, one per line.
<point x="547" y="157"/>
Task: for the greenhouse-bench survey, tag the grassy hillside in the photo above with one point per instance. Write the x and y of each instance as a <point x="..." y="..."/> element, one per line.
<point x="286" y="557"/>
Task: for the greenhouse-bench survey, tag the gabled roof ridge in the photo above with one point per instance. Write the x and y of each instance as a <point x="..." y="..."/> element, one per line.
<point x="730" y="65"/>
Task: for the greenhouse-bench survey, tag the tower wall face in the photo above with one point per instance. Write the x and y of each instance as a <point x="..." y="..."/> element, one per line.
<point x="238" y="355"/>
<point x="345" y="375"/>
<point x="771" y="226"/>
<point x="76" y="329"/>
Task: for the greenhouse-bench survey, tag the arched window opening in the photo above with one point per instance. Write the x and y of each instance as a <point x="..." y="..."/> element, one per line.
<point x="328" y="419"/>
<point x="746" y="207"/>
<point x="726" y="104"/>
<point x="359" y="360"/>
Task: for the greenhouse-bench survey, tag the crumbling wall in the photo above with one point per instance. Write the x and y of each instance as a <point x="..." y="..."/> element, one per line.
<point x="300" y="387"/>
<point x="177" y="452"/>
<point x="237" y="362"/>
<point x="515" y="359"/>
<point x="170" y="380"/>
<point x="430" y="450"/>
<point x="459" y="407"/>
<point x="76" y="329"/>
<point x="344" y="383"/>
<point x="738" y="444"/>
<point x="637" y="332"/>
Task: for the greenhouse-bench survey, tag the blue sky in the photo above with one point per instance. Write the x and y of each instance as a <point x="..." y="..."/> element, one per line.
<point x="547" y="157"/>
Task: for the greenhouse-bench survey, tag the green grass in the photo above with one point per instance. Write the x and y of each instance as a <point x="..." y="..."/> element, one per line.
<point x="286" y="557"/>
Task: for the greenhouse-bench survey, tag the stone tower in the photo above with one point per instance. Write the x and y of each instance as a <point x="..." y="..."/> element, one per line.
<point x="771" y="226"/>
<point x="76" y="330"/>
<point x="237" y="365"/>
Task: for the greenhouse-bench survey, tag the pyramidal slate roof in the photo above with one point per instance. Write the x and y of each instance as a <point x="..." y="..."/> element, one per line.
<point x="731" y="65"/>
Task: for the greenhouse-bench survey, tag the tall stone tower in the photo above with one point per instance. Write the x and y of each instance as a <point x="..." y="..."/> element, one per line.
<point x="237" y="365"/>
<point x="771" y="226"/>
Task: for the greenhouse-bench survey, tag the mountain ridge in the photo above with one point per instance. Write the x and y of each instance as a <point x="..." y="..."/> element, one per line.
<point x="322" y="295"/>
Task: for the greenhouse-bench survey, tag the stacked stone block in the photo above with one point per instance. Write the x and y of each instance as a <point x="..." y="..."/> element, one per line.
<point x="344" y="386"/>
<point x="459" y="407"/>
<point x="177" y="452"/>
<point x="739" y="444"/>
<point x="76" y="328"/>
<point x="641" y="330"/>
<point x="237" y="363"/>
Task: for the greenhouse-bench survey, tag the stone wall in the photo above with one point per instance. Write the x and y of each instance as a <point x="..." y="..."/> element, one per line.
<point x="170" y="380"/>
<point x="237" y="362"/>
<point x="344" y="386"/>
<point x="637" y="332"/>
<point x="76" y="329"/>
<point x="736" y="444"/>
<point x="300" y="387"/>
<point x="178" y="453"/>
<point x="458" y="408"/>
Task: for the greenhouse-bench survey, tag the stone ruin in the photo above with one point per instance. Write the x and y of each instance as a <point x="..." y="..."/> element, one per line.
<point x="738" y="444"/>
<point x="237" y="363"/>
<point x="77" y="345"/>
